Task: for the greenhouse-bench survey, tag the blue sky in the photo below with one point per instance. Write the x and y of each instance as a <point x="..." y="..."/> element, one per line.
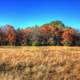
<point x="23" y="13"/>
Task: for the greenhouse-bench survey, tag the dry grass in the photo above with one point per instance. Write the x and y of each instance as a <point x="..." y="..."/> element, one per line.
<point x="40" y="63"/>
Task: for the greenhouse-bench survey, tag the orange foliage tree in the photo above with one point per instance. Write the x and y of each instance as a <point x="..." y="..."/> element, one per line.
<point x="68" y="37"/>
<point x="11" y="34"/>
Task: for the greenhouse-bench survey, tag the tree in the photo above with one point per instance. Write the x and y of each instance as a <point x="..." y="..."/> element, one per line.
<point x="58" y="24"/>
<point x="77" y="39"/>
<point x="26" y="36"/>
<point x="55" y="37"/>
<point x="11" y="34"/>
<point x="45" y="33"/>
<point x="4" y="40"/>
<point x="19" y="37"/>
<point x="1" y="36"/>
<point x="68" y="37"/>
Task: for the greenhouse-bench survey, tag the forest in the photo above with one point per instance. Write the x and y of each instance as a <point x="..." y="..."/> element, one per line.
<point x="54" y="33"/>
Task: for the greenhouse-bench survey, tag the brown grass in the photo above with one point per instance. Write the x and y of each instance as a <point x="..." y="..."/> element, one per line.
<point x="40" y="63"/>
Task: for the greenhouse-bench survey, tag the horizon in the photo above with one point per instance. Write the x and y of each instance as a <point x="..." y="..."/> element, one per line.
<point x="32" y="12"/>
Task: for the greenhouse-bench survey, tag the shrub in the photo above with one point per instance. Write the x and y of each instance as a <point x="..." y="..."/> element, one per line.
<point x="36" y="44"/>
<point x="67" y="43"/>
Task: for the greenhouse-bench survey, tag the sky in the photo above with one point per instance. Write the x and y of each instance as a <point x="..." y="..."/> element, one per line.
<point x="23" y="13"/>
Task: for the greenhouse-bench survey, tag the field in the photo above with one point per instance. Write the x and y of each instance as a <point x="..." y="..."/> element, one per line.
<point x="40" y="63"/>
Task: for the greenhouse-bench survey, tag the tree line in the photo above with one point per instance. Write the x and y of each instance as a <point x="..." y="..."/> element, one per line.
<point x="54" y="33"/>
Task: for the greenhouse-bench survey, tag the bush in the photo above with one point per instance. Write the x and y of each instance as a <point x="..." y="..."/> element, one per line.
<point x="52" y="43"/>
<point x="67" y="43"/>
<point x="40" y="44"/>
<point x="44" y="43"/>
<point x="36" y="44"/>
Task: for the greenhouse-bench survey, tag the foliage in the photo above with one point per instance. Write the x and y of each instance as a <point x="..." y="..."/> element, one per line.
<point x="36" y="44"/>
<point x="68" y="37"/>
<point x="11" y="34"/>
<point x="57" y="24"/>
<point x="54" y="33"/>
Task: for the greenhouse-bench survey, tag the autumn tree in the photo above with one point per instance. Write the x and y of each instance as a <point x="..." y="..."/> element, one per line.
<point x="11" y="34"/>
<point x="1" y="36"/>
<point x="45" y="33"/>
<point x="58" y="24"/>
<point x="19" y="37"/>
<point x="26" y="36"/>
<point x="68" y="37"/>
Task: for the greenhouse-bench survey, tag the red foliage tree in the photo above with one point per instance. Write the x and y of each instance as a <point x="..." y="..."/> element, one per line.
<point x="26" y="36"/>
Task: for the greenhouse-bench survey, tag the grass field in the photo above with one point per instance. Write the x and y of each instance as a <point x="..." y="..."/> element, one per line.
<point x="40" y="63"/>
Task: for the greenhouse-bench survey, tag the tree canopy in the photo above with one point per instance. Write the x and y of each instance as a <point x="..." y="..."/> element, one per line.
<point x="54" y="33"/>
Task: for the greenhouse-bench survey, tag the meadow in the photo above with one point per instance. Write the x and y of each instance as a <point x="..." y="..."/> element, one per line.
<point x="40" y="63"/>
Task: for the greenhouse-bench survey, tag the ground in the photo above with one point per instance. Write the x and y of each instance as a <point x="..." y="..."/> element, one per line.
<point x="40" y="63"/>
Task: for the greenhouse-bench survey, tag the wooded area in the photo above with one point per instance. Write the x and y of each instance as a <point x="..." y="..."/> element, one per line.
<point x="54" y="33"/>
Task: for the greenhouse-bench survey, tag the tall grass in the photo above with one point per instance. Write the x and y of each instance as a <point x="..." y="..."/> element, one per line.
<point x="40" y="63"/>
